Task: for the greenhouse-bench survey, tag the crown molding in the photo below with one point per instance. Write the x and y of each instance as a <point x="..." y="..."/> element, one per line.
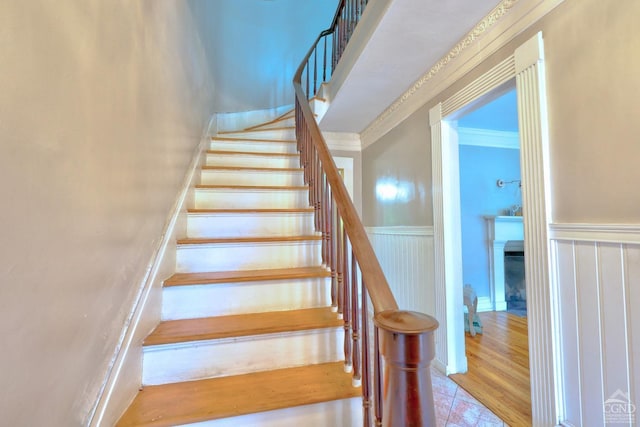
<point x="342" y="141"/>
<point x="490" y="34"/>
<point x="488" y="138"/>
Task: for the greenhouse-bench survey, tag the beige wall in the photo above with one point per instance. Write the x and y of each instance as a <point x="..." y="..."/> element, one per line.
<point x="593" y="90"/>
<point x="400" y="163"/>
<point x="102" y="104"/>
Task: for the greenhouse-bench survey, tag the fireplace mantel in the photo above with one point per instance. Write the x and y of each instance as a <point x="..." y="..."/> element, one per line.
<point x="500" y="229"/>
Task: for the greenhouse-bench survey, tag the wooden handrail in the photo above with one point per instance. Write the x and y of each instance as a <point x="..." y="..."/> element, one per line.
<point x="402" y="394"/>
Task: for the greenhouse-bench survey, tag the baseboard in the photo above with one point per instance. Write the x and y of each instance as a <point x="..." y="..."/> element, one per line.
<point x="484" y="304"/>
<point x="123" y="377"/>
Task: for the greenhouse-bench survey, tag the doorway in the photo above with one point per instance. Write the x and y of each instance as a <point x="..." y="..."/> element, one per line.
<point x="526" y="65"/>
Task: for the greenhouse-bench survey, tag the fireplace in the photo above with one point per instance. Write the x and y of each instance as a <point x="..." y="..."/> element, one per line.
<point x="503" y="230"/>
<point x="515" y="291"/>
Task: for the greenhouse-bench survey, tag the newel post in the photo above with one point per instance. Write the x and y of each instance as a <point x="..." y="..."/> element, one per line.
<point x="407" y="346"/>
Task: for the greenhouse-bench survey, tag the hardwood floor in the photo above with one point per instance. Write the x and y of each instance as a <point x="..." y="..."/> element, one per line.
<point x="498" y="362"/>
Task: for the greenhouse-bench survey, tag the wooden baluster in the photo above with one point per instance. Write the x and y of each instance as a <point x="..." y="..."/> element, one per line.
<point x="315" y="69"/>
<point x="318" y="195"/>
<point x="355" y="322"/>
<point x="325" y="219"/>
<point x="339" y="263"/>
<point x="312" y="183"/>
<point x="324" y="61"/>
<point x="346" y="301"/>
<point x="332" y="255"/>
<point x="366" y="367"/>
<point x="307" y="93"/>
<point x="377" y="377"/>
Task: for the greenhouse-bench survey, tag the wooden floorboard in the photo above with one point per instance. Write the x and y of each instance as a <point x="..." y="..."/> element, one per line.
<point x="194" y="401"/>
<point x="498" y="367"/>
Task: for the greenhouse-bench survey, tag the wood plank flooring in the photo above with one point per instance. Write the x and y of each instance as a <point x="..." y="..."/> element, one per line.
<point x="498" y="362"/>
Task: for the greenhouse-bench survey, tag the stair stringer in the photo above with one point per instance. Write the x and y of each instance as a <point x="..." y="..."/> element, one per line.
<point x="124" y="376"/>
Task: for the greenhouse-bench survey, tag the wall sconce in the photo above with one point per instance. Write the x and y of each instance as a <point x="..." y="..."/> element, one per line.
<point x="501" y="183"/>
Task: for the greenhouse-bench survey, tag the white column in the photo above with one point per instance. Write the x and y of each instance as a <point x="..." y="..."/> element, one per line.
<point x="447" y="251"/>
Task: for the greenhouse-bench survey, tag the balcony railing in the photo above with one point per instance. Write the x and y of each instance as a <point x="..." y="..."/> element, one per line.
<point x="330" y="45"/>
<point x="388" y="350"/>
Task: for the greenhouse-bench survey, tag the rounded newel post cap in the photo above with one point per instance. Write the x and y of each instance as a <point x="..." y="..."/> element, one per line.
<point x="405" y="322"/>
<point x="406" y="337"/>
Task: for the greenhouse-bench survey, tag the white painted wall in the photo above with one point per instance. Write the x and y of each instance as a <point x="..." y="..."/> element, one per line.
<point x="102" y="106"/>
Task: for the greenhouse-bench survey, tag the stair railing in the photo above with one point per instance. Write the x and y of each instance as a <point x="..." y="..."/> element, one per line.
<point x="388" y="350"/>
<point x="331" y="43"/>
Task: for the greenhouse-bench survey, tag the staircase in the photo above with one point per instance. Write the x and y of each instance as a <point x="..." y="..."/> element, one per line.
<point x="248" y="337"/>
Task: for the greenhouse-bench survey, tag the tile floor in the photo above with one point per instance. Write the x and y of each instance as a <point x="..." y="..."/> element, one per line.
<point x="457" y="408"/>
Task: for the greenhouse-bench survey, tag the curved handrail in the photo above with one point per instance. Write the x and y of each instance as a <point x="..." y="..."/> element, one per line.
<point x="380" y="292"/>
<point x="405" y="339"/>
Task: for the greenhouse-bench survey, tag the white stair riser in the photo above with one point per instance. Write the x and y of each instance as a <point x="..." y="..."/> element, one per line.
<point x="222" y="299"/>
<point x="222" y="225"/>
<point x="230" y="198"/>
<point x="246" y="256"/>
<point x="235" y="356"/>
<point x="286" y="134"/>
<point x="256" y="161"/>
<point x="254" y="146"/>
<point x="343" y="413"/>
<point x="252" y="177"/>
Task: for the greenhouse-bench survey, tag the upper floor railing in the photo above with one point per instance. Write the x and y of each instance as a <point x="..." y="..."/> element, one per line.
<point x="331" y="43"/>
<point x="397" y="391"/>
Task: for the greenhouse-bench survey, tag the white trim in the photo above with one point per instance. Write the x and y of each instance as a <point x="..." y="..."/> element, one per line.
<point x="402" y="230"/>
<point x="485" y="304"/>
<point x="127" y="340"/>
<point x="509" y="19"/>
<point x="488" y="138"/>
<point x="342" y="141"/>
<point x="605" y="233"/>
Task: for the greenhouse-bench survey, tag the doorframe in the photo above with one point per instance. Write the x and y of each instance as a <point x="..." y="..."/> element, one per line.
<point x="526" y="65"/>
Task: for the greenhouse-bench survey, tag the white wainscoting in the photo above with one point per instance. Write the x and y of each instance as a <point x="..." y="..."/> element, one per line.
<point x="597" y="278"/>
<point x="406" y="257"/>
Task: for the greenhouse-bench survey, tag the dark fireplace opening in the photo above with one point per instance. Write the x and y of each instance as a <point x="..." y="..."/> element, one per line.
<point x="514" y="278"/>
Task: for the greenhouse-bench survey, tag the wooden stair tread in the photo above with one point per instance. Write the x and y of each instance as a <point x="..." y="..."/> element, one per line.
<point x="184" y="279"/>
<point x="256" y="130"/>
<point x="250" y="168"/>
<point x="257" y="211"/>
<point x="253" y="153"/>
<point x="252" y="187"/>
<point x="204" y="241"/>
<point x="239" y="139"/>
<point x="239" y="325"/>
<point x="196" y="401"/>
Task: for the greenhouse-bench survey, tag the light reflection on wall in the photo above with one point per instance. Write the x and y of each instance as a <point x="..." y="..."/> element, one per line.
<point x="392" y="190"/>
